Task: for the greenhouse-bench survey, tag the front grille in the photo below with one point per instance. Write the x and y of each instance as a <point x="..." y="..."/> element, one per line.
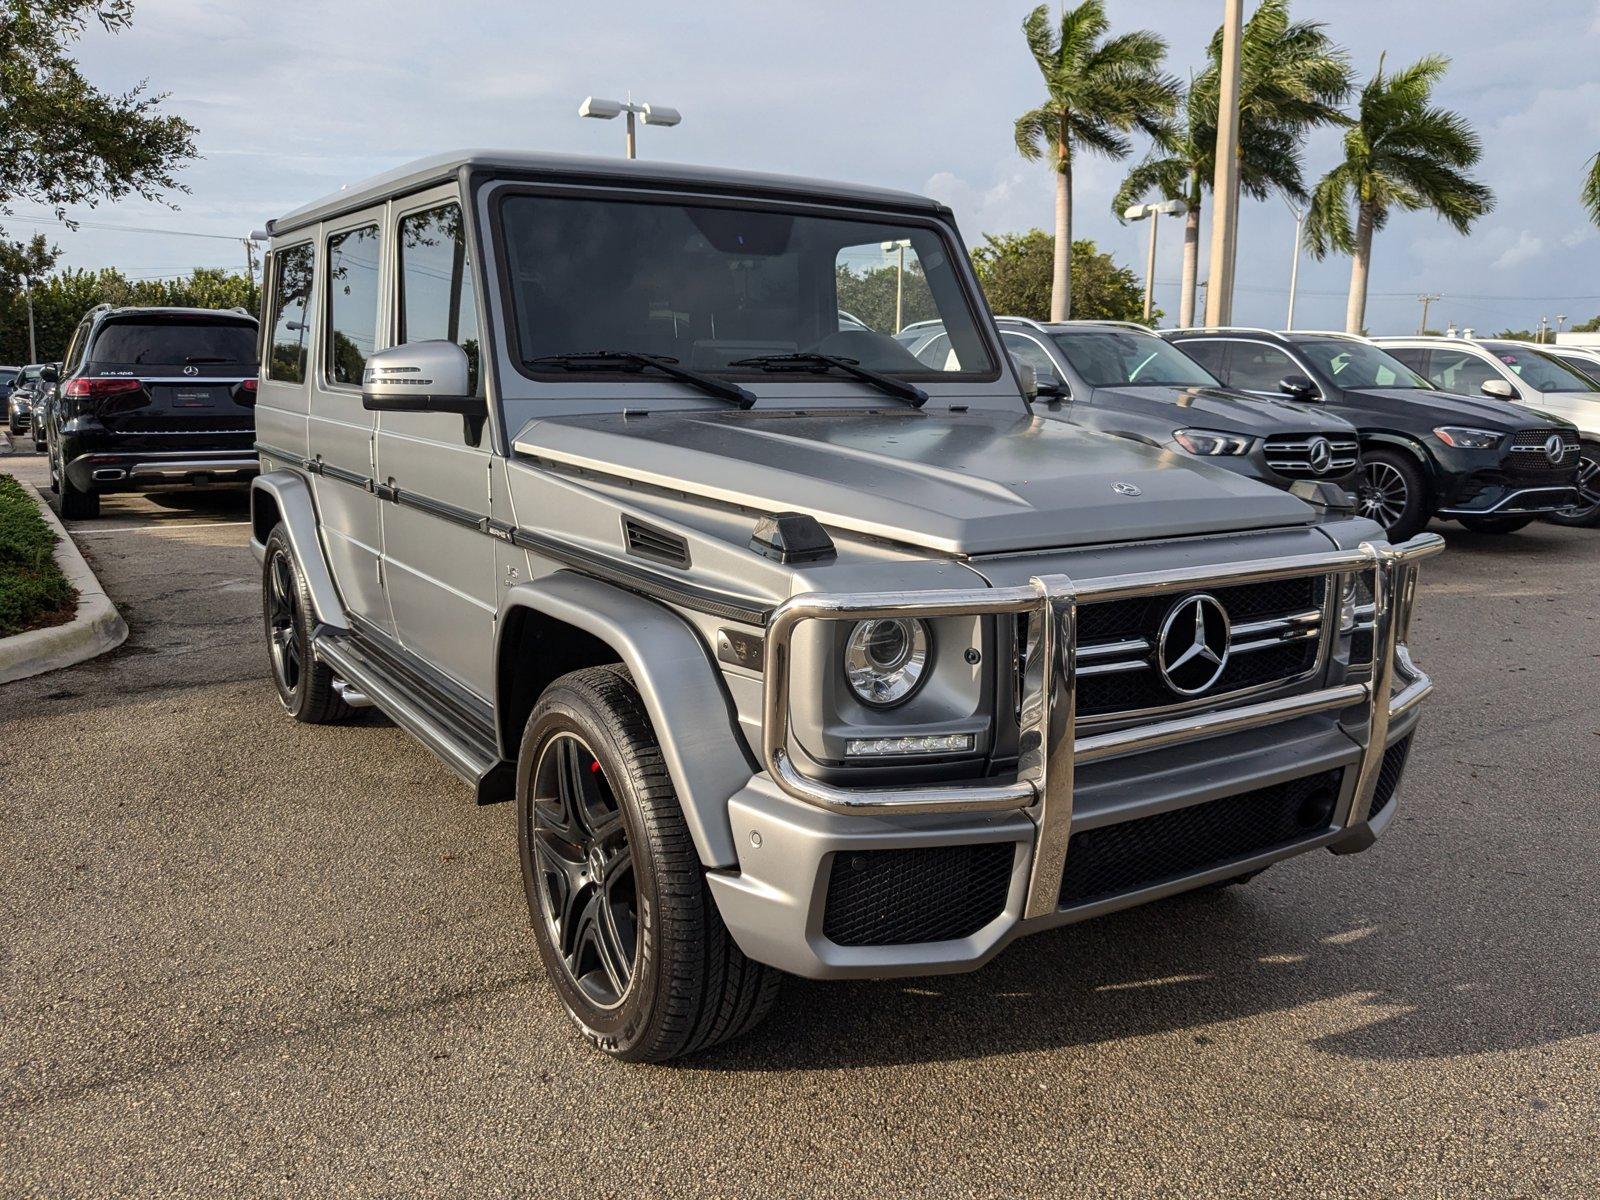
<point x="1291" y="454"/>
<point x="1394" y="762"/>
<point x="935" y="894"/>
<point x="1116" y="859"/>
<point x="1527" y="451"/>
<point x="1127" y="681"/>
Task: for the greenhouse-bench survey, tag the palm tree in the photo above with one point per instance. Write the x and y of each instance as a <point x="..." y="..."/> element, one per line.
<point x="1402" y="152"/>
<point x="1292" y="76"/>
<point x="1100" y="90"/>
<point x="1591" y="190"/>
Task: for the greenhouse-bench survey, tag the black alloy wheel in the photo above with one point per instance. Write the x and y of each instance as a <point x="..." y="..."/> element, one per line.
<point x="1586" y="513"/>
<point x="305" y="685"/>
<point x="283" y="621"/>
<point x="587" y="886"/>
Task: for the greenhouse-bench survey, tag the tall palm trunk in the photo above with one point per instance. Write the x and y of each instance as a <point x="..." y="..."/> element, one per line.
<point x="1355" y="312"/>
<point x="1061" y="280"/>
<point x="1191" y="263"/>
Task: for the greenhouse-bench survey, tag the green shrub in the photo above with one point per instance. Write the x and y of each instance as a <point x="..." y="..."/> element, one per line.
<point x="33" y="592"/>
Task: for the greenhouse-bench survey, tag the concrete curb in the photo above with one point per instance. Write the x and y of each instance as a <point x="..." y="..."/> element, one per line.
<point x="98" y="627"/>
<point x="5" y="442"/>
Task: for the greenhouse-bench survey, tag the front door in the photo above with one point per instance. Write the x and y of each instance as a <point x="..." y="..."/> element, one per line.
<point x="439" y="570"/>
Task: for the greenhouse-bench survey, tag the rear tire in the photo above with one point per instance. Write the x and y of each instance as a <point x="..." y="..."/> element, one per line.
<point x="1394" y="492"/>
<point x="305" y="685"/>
<point x="76" y="504"/>
<point x="623" y="917"/>
<point x="1585" y="514"/>
<point x="1495" y="525"/>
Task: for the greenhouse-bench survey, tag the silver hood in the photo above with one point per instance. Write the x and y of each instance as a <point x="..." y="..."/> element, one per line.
<point x="980" y="482"/>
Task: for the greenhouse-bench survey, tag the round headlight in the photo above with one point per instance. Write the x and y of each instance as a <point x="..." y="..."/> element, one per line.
<point x="885" y="660"/>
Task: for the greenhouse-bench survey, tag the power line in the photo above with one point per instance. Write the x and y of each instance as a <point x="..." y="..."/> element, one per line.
<point x="31" y="220"/>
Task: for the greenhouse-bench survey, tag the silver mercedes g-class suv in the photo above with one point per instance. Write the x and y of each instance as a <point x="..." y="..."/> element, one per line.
<point x="795" y="655"/>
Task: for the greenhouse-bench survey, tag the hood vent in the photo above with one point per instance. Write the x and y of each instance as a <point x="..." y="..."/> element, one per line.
<point x="657" y="545"/>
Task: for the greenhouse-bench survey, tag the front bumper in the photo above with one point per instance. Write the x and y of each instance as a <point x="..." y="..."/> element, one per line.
<point x="1330" y="759"/>
<point x="1510" y="500"/>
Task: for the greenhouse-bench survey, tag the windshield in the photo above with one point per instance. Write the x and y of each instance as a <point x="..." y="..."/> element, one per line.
<point x="1537" y="370"/>
<point x="1123" y="357"/>
<point x="176" y="341"/>
<point x="710" y="286"/>
<point x="1352" y="364"/>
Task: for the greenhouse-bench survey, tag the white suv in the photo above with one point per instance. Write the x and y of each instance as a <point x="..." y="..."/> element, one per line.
<point x="1526" y="374"/>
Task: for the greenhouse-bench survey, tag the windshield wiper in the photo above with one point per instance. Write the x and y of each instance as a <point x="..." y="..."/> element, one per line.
<point x="667" y="365"/>
<point x="909" y="392"/>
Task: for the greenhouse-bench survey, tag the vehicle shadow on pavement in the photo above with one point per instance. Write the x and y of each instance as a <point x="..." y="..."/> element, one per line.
<point x="1415" y="987"/>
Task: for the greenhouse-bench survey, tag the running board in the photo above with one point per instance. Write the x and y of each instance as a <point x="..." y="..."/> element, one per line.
<point x="468" y="751"/>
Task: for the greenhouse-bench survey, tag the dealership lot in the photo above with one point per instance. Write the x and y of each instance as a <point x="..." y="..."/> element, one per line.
<point x="267" y="958"/>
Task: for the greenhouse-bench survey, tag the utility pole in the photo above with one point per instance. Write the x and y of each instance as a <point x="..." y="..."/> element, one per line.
<point x="27" y="289"/>
<point x="1224" y="187"/>
<point x="250" y="260"/>
<point x="1427" y="299"/>
<point x="899" y="247"/>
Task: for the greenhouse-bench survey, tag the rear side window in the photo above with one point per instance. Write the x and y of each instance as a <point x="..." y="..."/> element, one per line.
<point x="293" y="275"/>
<point x="176" y="342"/>
<point x="436" y="290"/>
<point x="352" y="302"/>
<point x="1256" y="368"/>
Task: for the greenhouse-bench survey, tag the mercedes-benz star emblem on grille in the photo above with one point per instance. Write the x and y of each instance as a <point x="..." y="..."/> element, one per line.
<point x="1320" y="455"/>
<point x="1126" y="489"/>
<point x="1554" y="449"/>
<point x="1193" y="650"/>
<point x="191" y="370"/>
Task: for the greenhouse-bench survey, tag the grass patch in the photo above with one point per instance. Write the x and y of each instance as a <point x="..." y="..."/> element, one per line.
<point x="33" y="591"/>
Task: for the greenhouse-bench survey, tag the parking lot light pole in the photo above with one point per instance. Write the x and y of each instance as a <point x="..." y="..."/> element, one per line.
<point x="1153" y="213"/>
<point x="899" y="248"/>
<point x="609" y="110"/>
<point x="1294" y="263"/>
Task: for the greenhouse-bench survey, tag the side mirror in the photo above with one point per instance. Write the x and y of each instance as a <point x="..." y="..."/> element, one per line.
<point x="1499" y="389"/>
<point x="49" y="375"/>
<point x="420" y="377"/>
<point x="1297" y="386"/>
<point x="1028" y="378"/>
<point x="1051" y="387"/>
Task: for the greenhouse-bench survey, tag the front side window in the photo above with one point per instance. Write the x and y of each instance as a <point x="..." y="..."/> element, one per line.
<point x="1353" y="364"/>
<point x="1459" y="371"/>
<point x="1028" y="351"/>
<point x="293" y="275"/>
<point x="1254" y="367"/>
<point x="437" y="297"/>
<point x="352" y="303"/>
<point x="1538" y="371"/>
<point x="713" y="287"/>
<point x="1124" y="358"/>
<point x="1587" y="367"/>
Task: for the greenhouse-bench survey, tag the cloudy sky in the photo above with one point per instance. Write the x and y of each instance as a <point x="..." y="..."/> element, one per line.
<point x="295" y="99"/>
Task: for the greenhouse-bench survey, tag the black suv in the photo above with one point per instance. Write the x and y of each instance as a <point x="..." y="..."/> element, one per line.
<point x="1122" y="379"/>
<point x="1494" y="467"/>
<point x="150" y="399"/>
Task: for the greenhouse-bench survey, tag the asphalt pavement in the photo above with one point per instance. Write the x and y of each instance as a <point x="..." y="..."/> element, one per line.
<point x="242" y="956"/>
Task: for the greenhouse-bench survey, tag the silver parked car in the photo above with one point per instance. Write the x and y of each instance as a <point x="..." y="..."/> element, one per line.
<point x="795" y="654"/>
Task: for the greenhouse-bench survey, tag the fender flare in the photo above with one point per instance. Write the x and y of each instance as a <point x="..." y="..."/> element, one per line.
<point x="287" y="494"/>
<point x="1409" y="445"/>
<point x="698" y="731"/>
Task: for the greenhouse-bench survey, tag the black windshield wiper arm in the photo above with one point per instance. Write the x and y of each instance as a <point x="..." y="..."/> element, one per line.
<point x="721" y="389"/>
<point x="909" y="392"/>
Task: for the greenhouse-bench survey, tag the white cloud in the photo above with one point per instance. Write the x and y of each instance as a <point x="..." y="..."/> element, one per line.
<point x="1526" y="248"/>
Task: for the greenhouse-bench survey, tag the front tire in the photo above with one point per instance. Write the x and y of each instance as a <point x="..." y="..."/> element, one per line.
<point x="1495" y="525"/>
<point x="1586" y="513"/>
<point x="304" y="684"/>
<point x="1394" y="492"/>
<point x="624" y="920"/>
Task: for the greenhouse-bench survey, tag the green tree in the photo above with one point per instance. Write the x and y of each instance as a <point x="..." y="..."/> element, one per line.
<point x="1402" y="152"/>
<point x="62" y="140"/>
<point x="870" y="295"/>
<point x="1292" y="76"/>
<point x="1016" y="271"/>
<point x="61" y="299"/>
<point x="1591" y="189"/>
<point x="1100" y="89"/>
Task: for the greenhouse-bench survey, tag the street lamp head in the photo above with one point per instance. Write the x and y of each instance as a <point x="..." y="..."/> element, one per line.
<point x="601" y="110"/>
<point x="1136" y="212"/>
<point x="1172" y="208"/>
<point x="660" y="114"/>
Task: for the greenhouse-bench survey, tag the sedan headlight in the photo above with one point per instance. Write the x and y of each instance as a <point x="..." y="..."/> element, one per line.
<point x="886" y="659"/>
<point x="1463" y="438"/>
<point x="1211" y="444"/>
